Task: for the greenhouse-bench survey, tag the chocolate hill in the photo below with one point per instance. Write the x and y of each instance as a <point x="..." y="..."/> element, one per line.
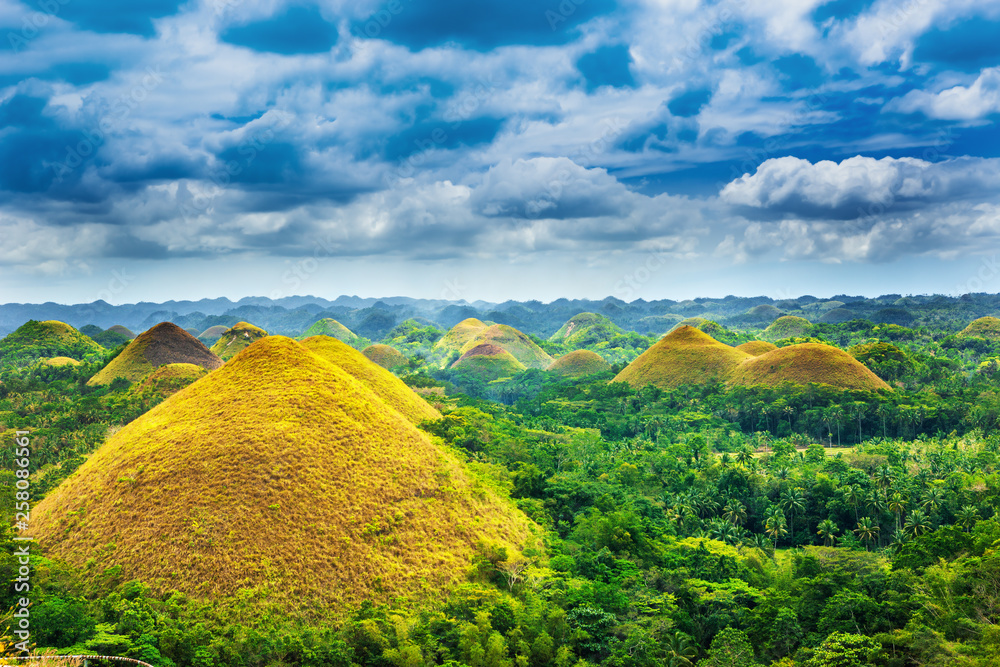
<point x="237" y="338"/>
<point x="579" y="363"/>
<point x="489" y="362"/>
<point x="166" y="343"/>
<point x="788" y="326"/>
<point x="456" y="338"/>
<point x="519" y="345"/>
<point x="805" y="363"/>
<point x="283" y="475"/>
<point x="384" y="355"/>
<point x="384" y="384"/>
<point x="586" y="329"/>
<point x="36" y="340"/>
<point x="756" y="347"/>
<point x="684" y="356"/>
<point x="984" y="327"/>
<point x="331" y="327"/>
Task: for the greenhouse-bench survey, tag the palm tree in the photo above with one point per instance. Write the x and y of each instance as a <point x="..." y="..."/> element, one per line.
<point x="875" y="504"/>
<point x="744" y="456"/>
<point x="853" y="496"/>
<point x="897" y="506"/>
<point x="681" y="651"/>
<point x="967" y="516"/>
<point x="867" y="530"/>
<point x="898" y="540"/>
<point x="837" y="415"/>
<point x="884" y="476"/>
<point x="709" y="505"/>
<point x="775" y="528"/>
<point x="792" y="501"/>
<point x="933" y="499"/>
<point x="917" y="523"/>
<point x="735" y="512"/>
<point x="828" y="530"/>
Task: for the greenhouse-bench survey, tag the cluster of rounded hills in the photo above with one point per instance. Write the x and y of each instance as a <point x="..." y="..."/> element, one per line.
<point x="293" y="472"/>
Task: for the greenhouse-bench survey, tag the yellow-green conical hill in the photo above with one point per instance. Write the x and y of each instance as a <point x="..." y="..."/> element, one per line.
<point x="518" y="344"/>
<point x="684" y="356"/>
<point x="806" y="363"/>
<point x="278" y="478"/>
<point x="386" y="386"/>
<point x="385" y="356"/>
<point x="579" y="363"/>
<point x="237" y="338"/>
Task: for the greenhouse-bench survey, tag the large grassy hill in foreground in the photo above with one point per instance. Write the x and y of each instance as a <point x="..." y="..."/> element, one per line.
<point x="282" y="477"/>
<point x="383" y="383"/>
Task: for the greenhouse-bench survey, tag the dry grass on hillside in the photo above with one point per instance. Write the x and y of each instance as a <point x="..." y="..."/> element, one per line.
<point x="756" y="348"/>
<point x="385" y="356"/>
<point x="518" y="344"/>
<point x="166" y="343"/>
<point x="386" y="386"/>
<point x="579" y="363"/>
<point x="684" y="356"/>
<point x="279" y="476"/>
<point x="805" y="363"/>
<point x="236" y="339"/>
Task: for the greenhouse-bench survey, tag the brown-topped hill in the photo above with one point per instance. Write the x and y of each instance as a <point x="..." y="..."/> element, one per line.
<point x="166" y="343"/>
<point x="684" y="356"/>
<point x="806" y="363"/>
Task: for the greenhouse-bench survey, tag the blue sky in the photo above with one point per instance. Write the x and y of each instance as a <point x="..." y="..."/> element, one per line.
<point x="516" y="149"/>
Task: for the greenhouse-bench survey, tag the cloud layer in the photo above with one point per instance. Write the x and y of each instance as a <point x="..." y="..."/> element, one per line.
<point x="835" y="131"/>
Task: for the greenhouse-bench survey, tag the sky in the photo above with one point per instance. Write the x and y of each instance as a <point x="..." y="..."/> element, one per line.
<point x="515" y="149"/>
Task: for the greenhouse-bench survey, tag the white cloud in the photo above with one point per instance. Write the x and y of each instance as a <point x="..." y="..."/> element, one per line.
<point x="972" y="102"/>
<point x="860" y="187"/>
